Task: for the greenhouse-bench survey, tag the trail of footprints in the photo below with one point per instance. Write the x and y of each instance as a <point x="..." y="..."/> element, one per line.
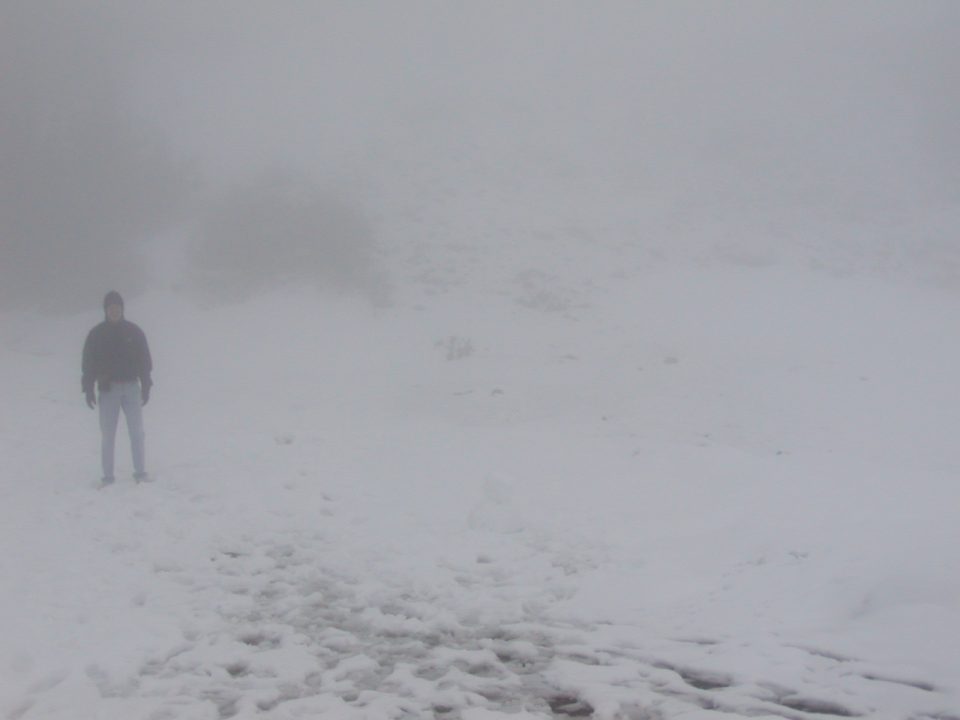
<point x="294" y="636"/>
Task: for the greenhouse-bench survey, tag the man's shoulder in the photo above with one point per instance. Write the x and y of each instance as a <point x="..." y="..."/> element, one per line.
<point x="132" y="326"/>
<point x="132" y="330"/>
<point x="97" y="329"/>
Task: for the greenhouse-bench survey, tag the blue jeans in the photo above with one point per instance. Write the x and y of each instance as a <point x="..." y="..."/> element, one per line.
<point x="121" y="396"/>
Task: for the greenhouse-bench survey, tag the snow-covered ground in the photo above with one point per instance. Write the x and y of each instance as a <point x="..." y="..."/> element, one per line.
<point x="672" y="492"/>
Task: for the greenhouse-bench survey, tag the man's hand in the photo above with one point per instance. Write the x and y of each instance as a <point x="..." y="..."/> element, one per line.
<point x="144" y="394"/>
<point x="91" y="399"/>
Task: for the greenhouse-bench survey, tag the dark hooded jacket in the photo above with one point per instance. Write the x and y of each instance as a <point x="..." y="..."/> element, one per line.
<point x="116" y="352"/>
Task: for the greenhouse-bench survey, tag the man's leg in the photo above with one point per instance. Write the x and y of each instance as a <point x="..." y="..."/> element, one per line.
<point x="109" y="415"/>
<point x="133" y="410"/>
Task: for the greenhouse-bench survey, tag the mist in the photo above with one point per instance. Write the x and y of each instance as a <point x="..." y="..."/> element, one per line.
<point x="509" y="359"/>
<point x="812" y="131"/>
<point x="84" y="181"/>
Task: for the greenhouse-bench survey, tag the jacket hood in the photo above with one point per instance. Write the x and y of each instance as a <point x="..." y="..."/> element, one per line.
<point x="112" y="298"/>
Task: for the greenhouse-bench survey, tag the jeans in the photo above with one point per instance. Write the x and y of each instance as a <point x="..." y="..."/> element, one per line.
<point x="125" y="396"/>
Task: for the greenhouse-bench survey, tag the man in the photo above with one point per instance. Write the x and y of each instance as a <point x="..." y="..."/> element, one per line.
<point x="117" y="359"/>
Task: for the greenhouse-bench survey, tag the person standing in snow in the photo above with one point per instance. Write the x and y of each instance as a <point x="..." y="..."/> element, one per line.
<point x="117" y="359"/>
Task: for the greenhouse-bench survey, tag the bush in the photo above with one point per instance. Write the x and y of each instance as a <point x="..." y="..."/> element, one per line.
<point x="282" y="230"/>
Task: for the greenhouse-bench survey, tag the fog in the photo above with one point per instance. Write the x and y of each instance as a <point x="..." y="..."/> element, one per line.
<point x="125" y="128"/>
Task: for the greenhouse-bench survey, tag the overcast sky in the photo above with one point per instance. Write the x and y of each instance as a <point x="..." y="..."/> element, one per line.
<point x="783" y="102"/>
<point x="642" y="88"/>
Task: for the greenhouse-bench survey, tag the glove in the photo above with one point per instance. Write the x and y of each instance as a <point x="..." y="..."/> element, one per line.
<point x="91" y="399"/>
<point x="144" y="394"/>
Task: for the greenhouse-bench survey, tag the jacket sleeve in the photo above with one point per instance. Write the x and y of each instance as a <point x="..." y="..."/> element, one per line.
<point x="146" y="362"/>
<point x="88" y="363"/>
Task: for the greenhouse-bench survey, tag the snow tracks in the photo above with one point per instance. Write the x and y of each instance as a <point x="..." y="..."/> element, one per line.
<point x="294" y="637"/>
<point x="284" y="621"/>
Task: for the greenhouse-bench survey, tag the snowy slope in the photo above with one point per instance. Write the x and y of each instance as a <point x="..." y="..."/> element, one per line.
<point x="669" y="492"/>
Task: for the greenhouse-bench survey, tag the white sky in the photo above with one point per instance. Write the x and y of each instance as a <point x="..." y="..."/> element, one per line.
<point x="688" y="93"/>
<point x="842" y="112"/>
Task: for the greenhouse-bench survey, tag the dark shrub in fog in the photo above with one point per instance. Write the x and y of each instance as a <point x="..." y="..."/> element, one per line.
<point x="278" y="231"/>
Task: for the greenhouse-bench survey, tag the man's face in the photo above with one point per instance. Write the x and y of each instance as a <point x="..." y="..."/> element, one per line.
<point x="114" y="313"/>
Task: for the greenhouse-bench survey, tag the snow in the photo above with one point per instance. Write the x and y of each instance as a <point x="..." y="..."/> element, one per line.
<point x="688" y="491"/>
